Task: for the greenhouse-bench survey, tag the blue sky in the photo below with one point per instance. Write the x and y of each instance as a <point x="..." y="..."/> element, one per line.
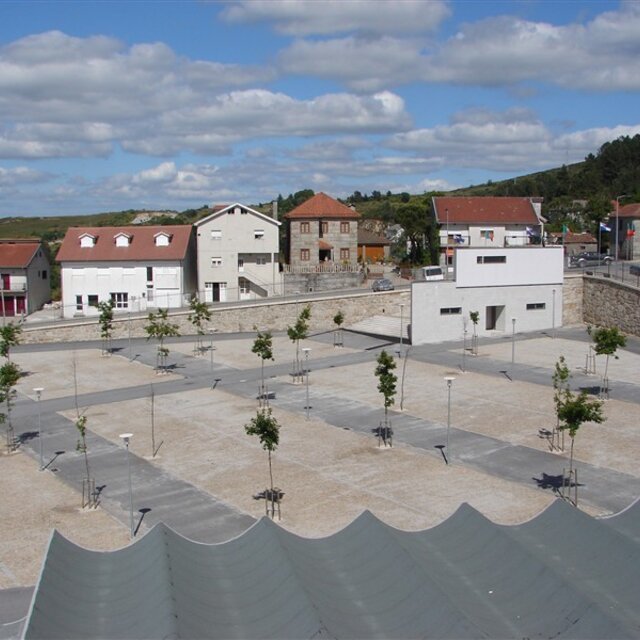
<point x="128" y="105"/>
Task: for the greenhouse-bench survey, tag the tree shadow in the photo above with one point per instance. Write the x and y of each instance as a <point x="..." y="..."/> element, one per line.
<point x="555" y="483"/>
<point x="57" y="453"/>
<point x="26" y="436"/>
<point x="592" y="391"/>
<point x="506" y="374"/>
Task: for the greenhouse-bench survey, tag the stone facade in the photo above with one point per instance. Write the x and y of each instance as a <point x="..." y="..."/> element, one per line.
<point x="572" y="299"/>
<point x="314" y="242"/>
<point x="306" y="282"/>
<point x="611" y="303"/>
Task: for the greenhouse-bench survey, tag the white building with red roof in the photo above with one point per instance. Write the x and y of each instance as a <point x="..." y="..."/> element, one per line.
<point x="488" y="222"/>
<point x="322" y="232"/>
<point x="627" y="233"/>
<point x="25" y="277"/>
<point x="139" y="268"/>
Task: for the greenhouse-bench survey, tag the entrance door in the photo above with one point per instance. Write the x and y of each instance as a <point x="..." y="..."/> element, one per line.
<point x="21" y="307"/>
<point x="6" y="281"/>
<point x="495" y="318"/>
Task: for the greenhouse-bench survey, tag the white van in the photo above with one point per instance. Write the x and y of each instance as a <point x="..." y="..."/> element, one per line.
<point x="432" y="273"/>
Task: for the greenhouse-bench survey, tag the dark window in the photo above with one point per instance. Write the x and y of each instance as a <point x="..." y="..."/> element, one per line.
<point x="149" y="274"/>
<point x="305" y="227"/>
<point x="344" y="254"/>
<point x="344" y="227"/>
<point x="120" y="300"/>
<point x="491" y="259"/>
<point x="324" y="228"/>
<point x="304" y="255"/>
<point x="531" y="306"/>
<point x="450" y="311"/>
<point x="92" y="300"/>
<point x="78" y="303"/>
<point x="44" y="274"/>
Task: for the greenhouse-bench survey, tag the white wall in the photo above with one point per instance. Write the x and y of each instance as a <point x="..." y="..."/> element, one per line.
<point x="102" y="279"/>
<point x="523" y="266"/>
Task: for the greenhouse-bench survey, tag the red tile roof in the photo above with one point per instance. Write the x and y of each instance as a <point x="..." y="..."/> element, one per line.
<point x="17" y="253"/>
<point x="484" y="210"/>
<point x="322" y="206"/>
<point x="324" y="245"/>
<point x="628" y="211"/>
<point x="573" y="238"/>
<point x="141" y="247"/>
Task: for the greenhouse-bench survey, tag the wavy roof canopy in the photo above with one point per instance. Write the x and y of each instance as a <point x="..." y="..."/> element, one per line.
<point x="563" y="574"/>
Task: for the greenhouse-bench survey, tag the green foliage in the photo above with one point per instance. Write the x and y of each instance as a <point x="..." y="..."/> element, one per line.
<point x="266" y="428"/>
<point x="199" y="314"/>
<point x="575" y="410"/>
<point x="300" y="330"/>
<point x="159" y="326"/>
<point x="338" y="319"/>
<point x="81" y="426"/>
<point x="9" y="337"/>
<point x="607" y="340"/>
<point x="386" y="378"/>
<point x="106" y="318"/>
<point x="263" y="345"/>
<point x="9" y="375"/>
<point x="474" y="316"/>
<point x="560" y="378"/>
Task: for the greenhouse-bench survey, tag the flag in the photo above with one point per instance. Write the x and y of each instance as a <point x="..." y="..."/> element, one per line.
<point x="631" y="233"/>
<point x="458" y="238"/>
<point x="565" y="229"/>
<point x="529" y="232"/>
<point x="603" y="227"/>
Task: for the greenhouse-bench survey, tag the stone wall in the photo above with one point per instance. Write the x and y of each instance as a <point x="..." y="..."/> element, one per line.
<point x="307" y="282"/>
<point x="572" y="299"/>
<point x="273" y="315"/>
<point x="610" y="303"/>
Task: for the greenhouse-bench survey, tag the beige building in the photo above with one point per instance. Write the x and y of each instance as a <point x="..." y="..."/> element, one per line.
<point x="322" y="232"/>
<point x="238" y="251"/>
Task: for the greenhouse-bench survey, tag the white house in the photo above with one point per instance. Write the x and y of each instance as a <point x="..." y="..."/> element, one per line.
<point x="24" y="277"/>
<point x="238" y="251"/>
<point x="501" y="284"/>
<point x="136" y="267"/>
<point x="485" y="222"/>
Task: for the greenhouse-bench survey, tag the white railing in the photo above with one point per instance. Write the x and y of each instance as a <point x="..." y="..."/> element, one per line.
<point x="330" y="267"/>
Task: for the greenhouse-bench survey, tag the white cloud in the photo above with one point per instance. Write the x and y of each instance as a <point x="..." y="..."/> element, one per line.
<point x="503" y="141"/>
<point x="22" y="175"/>
<point x="306" y="17"/>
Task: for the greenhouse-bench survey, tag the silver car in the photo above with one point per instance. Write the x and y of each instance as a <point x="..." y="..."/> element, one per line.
<point x="382" y="285"/>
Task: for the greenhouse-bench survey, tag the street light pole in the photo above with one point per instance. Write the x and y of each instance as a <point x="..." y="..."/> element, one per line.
<point x="553" y="313"/>
<point x="211" y="331"/>
<point x="513" y="345"/>
<point x="125" y="438"/>
<point x="401" y="324"/>
<point x="306" y="351"/>
<point x="39" y="391"/>
<point x="449" y="380"/>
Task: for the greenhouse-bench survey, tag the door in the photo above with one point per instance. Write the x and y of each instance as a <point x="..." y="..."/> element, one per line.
<point x="491" y="318"/>
<point x="6" y="281"/>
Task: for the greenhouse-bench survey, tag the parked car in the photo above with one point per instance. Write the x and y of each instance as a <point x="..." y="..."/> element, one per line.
<point x="589" y="259"/>
<point x="382" y="285"/>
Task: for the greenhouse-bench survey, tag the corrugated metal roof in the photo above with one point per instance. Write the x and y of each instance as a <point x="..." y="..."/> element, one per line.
<point x="563" y="574"/>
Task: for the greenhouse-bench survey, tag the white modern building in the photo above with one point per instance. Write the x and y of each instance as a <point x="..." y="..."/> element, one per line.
<point x="502" y="284"/>
<point x="238" y="250"/>
<point x="139" y="268"/>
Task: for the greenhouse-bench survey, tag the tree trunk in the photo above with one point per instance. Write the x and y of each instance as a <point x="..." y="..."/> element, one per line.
<point x="571" y="459"/>
<point x="270" y="474"/>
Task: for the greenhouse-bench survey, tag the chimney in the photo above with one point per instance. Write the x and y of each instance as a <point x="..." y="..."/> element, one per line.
<point x="274" y="209"/>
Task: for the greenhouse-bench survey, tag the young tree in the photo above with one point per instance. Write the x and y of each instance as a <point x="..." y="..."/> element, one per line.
<point x="573" y="411"/>
<point x="560" y="378"/>
<point x="9" y="337"/>
<point x="474" y="316"/>
<point x="160" y="328"/>
<point x="299" y="331"/>
<point x="199" y="314"/>
<point x="267" y="429"/>
<point x="606" y="342"/>
<point x="387" y="387"/>
<point x="9" y="376"/>
<point x="263" y="348"/>
<point x="105" y="320"/>
<point x="338" y="319"/>
<point x="88" y="488"/>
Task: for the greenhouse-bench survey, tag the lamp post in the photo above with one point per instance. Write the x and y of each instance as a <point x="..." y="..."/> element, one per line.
<point x="401" y="324"/>
<point x="306" y="351"/>
<point x="464" y="342"/>
<point x="38" y="391"/>
<point x="618" y="220"/>
<point x="449" y="380"/>
<point x="446" y="244"/>
<point x="513" y="344"/>
<point x="553" y="313"/>
<point x="211" y="349"/>
<point x="125" y="438"/>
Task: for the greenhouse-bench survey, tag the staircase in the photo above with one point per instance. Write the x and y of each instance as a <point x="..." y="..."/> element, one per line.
<point x="384" y="326"/>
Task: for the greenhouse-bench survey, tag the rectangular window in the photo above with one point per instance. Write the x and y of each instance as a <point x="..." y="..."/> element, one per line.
<point x="344" y="227"/>
<point x="304" y="255"/>
<point x="344" y="254"/>
<point x="532" y="306"/>
<point x="244" y="285"/>
<point x="216" y="234"/>
<point x="149" y="274"/>
<point x="216" y="261"/>
<point x="78" y="303"/>
<point x="491" y="259"/>
<point x="450" y="311"/>
<point x="44" y="274"/>
<point x="324" y="228"/>
<point x="305" y="227"/>
<point x="120" y="300"/>
<point x="258" y="234"/>
<point x="261" y="260"/>
<point x="92" y="299"/>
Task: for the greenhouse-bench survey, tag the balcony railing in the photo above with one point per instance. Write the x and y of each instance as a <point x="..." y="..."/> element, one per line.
<point x="330" y="267"/>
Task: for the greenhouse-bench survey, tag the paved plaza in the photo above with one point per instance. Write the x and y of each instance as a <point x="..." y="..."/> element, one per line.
<point x="206" y="473"/>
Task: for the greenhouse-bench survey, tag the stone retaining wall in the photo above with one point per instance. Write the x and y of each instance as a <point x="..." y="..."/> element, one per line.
<point x="572" y="299"/>
<point x="610" y="303"/>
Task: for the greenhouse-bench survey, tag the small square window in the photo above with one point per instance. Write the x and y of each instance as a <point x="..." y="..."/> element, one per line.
<point x="305" y="227"/>
<point x="304" y="255"/>
<point x="216" y="261"/>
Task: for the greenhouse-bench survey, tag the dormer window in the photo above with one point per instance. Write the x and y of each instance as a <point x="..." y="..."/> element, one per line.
<point x="122" y="239"/>
<point x="162" y="239"/>
<point x="87" y="240"/>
